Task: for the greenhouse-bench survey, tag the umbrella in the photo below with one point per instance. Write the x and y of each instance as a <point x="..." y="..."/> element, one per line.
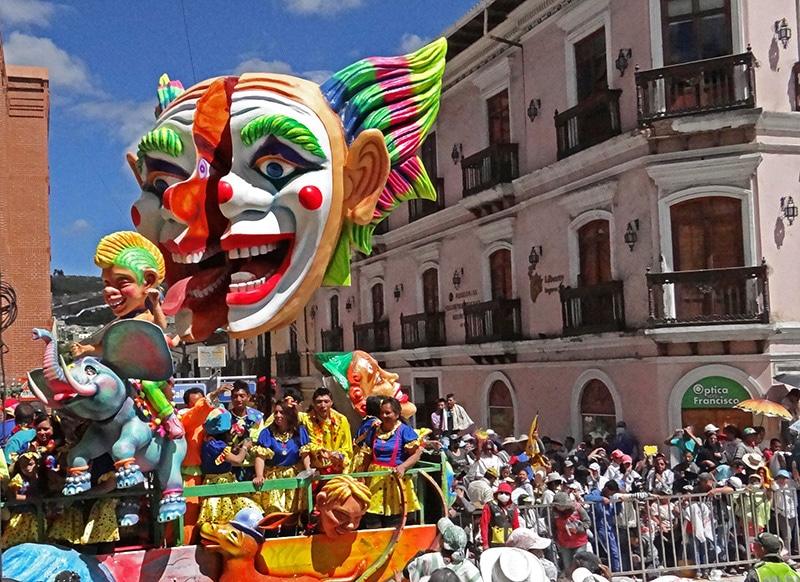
<point x="765" y="407"/>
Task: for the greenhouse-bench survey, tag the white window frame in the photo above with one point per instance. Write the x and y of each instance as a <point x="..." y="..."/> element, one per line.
<point x="577" y="393"/>
<point x="487" y="386"/>
<point x="487" y="268"/>
<point x="578" y="24"/>
<point x="574" y="246"/>
<point x="421" y="288"/>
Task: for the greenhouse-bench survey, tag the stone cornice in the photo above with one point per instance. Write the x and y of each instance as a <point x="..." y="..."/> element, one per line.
<point x="497" y="230"/>
<point x="734" y="170"/>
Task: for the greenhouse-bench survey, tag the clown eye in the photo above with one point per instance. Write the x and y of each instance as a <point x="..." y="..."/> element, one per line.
<point x="275" y="167"/>
<point x="202" y="168"/>
<point x="158" y="182"/>
<point x="90" y="371"/>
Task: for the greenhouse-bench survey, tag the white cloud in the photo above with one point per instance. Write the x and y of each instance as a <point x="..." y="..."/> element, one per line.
<point x="256" y="65"/>
<point x="411" y="42"/>
<point x="325" y="7"/>
<point x="78" y="227"/>
<point x="26" y="12"/>
<point x="128" y="121"/>
<point x="66" y="71"/>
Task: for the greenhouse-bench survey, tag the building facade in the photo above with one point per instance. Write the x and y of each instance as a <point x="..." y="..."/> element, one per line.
<point x="614" y="238"/>
<point x="24" y="216"/>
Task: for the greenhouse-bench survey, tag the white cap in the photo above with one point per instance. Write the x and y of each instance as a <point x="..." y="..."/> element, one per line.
<point x="710" y="428"/>
<point x="594" y="466"/>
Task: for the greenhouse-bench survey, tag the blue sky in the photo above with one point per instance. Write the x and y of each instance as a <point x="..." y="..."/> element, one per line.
<point x="105" y="57"/>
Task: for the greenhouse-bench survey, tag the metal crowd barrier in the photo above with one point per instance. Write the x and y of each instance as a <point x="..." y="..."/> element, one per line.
<point x="689" y="535"/>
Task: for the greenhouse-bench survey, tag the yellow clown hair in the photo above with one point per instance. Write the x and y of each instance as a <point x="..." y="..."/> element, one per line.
<point x="131" y="251"/>
<point x="340" y="488"/>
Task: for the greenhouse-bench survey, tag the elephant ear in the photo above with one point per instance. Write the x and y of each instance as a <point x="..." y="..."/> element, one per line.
<point x="39" y="386"/>
<point x="135" y="348"/>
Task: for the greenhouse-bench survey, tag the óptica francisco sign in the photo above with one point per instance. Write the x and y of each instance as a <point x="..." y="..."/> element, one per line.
<point x="714" y="392"/>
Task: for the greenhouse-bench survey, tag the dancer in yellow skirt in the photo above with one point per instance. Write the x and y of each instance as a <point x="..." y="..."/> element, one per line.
<point x="282" y="451"/>
<point x="23" y="486"/>
<point x="217" y="460"/>
<point x="394" y="446"/>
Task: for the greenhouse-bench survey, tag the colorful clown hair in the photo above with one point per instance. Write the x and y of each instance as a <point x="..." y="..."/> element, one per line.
<point x="341" y="487"/>
<point x="400" y="97"/>
<point x="168" y="91"/>
<point x="131" y="251"/>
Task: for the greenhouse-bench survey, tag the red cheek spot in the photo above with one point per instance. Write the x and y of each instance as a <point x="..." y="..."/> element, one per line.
<point x="224" y="192"/>
<point x="135" y="216"/>
<point x="310" y="197"/>
<point x="166" y="197"/>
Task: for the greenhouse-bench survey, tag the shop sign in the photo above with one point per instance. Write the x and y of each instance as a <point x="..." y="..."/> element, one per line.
<point x="714" y="392"/>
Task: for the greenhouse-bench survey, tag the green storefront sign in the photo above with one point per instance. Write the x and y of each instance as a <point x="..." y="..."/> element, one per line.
<point x="714" y="392"/>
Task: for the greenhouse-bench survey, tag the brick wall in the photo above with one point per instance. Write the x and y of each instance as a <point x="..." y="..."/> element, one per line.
<point x="24" y="216"/>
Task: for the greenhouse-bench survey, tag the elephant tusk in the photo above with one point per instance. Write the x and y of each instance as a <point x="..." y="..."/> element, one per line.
<point x="35" y="389"/>
<point x="80" y="389"/>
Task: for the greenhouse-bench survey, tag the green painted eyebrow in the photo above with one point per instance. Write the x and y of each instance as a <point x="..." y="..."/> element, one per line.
<point x="285" y="127"/>
<point x="163" y="140"/>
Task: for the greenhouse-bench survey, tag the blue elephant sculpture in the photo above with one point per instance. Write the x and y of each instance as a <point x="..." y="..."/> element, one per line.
<point x="102" y="391"/>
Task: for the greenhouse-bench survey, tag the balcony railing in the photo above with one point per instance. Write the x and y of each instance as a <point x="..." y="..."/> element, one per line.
<point x="718" y="84"/>
<point x="419" y="208"/>
<point x="590" y="122"/>
<point x="594" y="309"/>
<point x="497" y="164"/>
<point x="493" y="321"/>
<point x="288" y="364"/>
<point x="713" y="296"/>
<point x="372" y="337"/>
<point x="256" y="366"/>
<point x="333" y="340"/>
<point x="423" y="330"/>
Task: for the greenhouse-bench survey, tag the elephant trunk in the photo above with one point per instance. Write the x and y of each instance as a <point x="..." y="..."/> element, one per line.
<point x="62" y="385"/>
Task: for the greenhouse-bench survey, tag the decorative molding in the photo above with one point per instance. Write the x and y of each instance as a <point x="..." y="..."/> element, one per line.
<point x="376" y="270"/>
<point x="577" y="393"/>
<point x="597" y="197"/>
<point x="498" y="230"/>
<point x="492" y="79"/>
<point x="574" y="18"/>
<point x="428" y="253"/>
<point x="736" y="171"/>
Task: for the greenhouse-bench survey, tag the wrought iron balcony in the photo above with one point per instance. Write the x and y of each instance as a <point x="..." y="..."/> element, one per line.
<point x="493" y="321"/>
<point x="418" y="208"/>
<point x="590" y="122"/>
<point x="333" y="340"/>
<point x="713" y="296"/>
<point x="372" y="337"/>
<point x="256" y="366"/>
<point x="719" y="84"/>
<point x="288" y="364"/>
<point x="594" y="309"/>
<point x="423" y="330"/>
<point x="497" y="164"/>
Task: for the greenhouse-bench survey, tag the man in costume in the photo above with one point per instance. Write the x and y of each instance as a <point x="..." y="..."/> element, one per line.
<point x="331" y="441"/>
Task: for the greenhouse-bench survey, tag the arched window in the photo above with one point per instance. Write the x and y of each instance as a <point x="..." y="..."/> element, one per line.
<point x="598" y="414"/>
<point x="378" y="311"/>
<point x="594" y="251"/>
<point x="334" y="307"/>
<point x="501" y="409"/>
<point x="430" y="290"/>
<point x="500" y="274"/>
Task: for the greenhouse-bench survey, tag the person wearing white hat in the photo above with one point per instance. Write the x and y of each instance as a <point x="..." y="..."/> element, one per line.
<point x="527" y="539"/>
<point x="710" y="429"/>
<point x="511" y="565"/>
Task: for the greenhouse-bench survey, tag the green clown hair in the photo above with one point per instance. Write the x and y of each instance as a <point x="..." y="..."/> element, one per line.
<point x="131" y="251"/>
<point x="163" y="139"/>
<point x="399" y="96"/>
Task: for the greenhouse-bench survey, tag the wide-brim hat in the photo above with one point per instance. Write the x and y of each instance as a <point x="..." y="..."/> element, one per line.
<point x="247" y="521"/>
<point x="510" y="440"/>
<point x="511" y="565"/>
<point x="523" y="438"/>
<point x="753" y="460"/>
<point x="554" y="476"/>
<point x="527" y="539"/>
<point x="586" y="575"/>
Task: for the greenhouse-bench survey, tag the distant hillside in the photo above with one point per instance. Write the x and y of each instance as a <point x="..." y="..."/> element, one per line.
<point x="78" y="299"/>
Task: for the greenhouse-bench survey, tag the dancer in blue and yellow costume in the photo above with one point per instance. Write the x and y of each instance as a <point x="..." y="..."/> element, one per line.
<point x="281" y="452"/>
<point x="394" y="446"/>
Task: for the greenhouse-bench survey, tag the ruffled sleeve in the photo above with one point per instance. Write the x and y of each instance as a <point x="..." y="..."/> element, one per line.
<point x="410" y="439"/>
<point x="16" y="482"/>
<point x="263" y="452"/>
<point x="264" y="438"/>
<point x="304" y="440"/>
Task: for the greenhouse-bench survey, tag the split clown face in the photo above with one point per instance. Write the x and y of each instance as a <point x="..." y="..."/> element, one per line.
<point x="246" y="182"/>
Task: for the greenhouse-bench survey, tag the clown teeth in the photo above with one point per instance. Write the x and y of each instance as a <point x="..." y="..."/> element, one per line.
<point x="250" y="285"/>
<point x="196" y="257"/>
<point x="116" y="303"/>
<point x="210" y="289"/>
<point x="245" y="252"/>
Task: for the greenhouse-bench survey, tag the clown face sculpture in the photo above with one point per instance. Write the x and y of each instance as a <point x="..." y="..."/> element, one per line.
<point x="255" y="187"/>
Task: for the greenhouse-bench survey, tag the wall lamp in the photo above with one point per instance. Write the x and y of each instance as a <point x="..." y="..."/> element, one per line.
<point x="535" y="256"/>
<point x="348" y="305"/>
<point x="788" y="209"/>
<point x="533" y="108"/>
<point x="783" y="32"/>
<point x="398" y="291"/>
<point x="457" y="154"/>
<point x="623" y="60"/>
<point x="631" y="235"/>
<point x="457" y="277"/>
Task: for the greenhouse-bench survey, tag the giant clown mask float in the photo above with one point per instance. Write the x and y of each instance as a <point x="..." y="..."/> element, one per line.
<point x="256" y="187"/>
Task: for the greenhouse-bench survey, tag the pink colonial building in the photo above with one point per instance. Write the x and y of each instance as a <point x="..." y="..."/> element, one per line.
<point x="614" y="238"/>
